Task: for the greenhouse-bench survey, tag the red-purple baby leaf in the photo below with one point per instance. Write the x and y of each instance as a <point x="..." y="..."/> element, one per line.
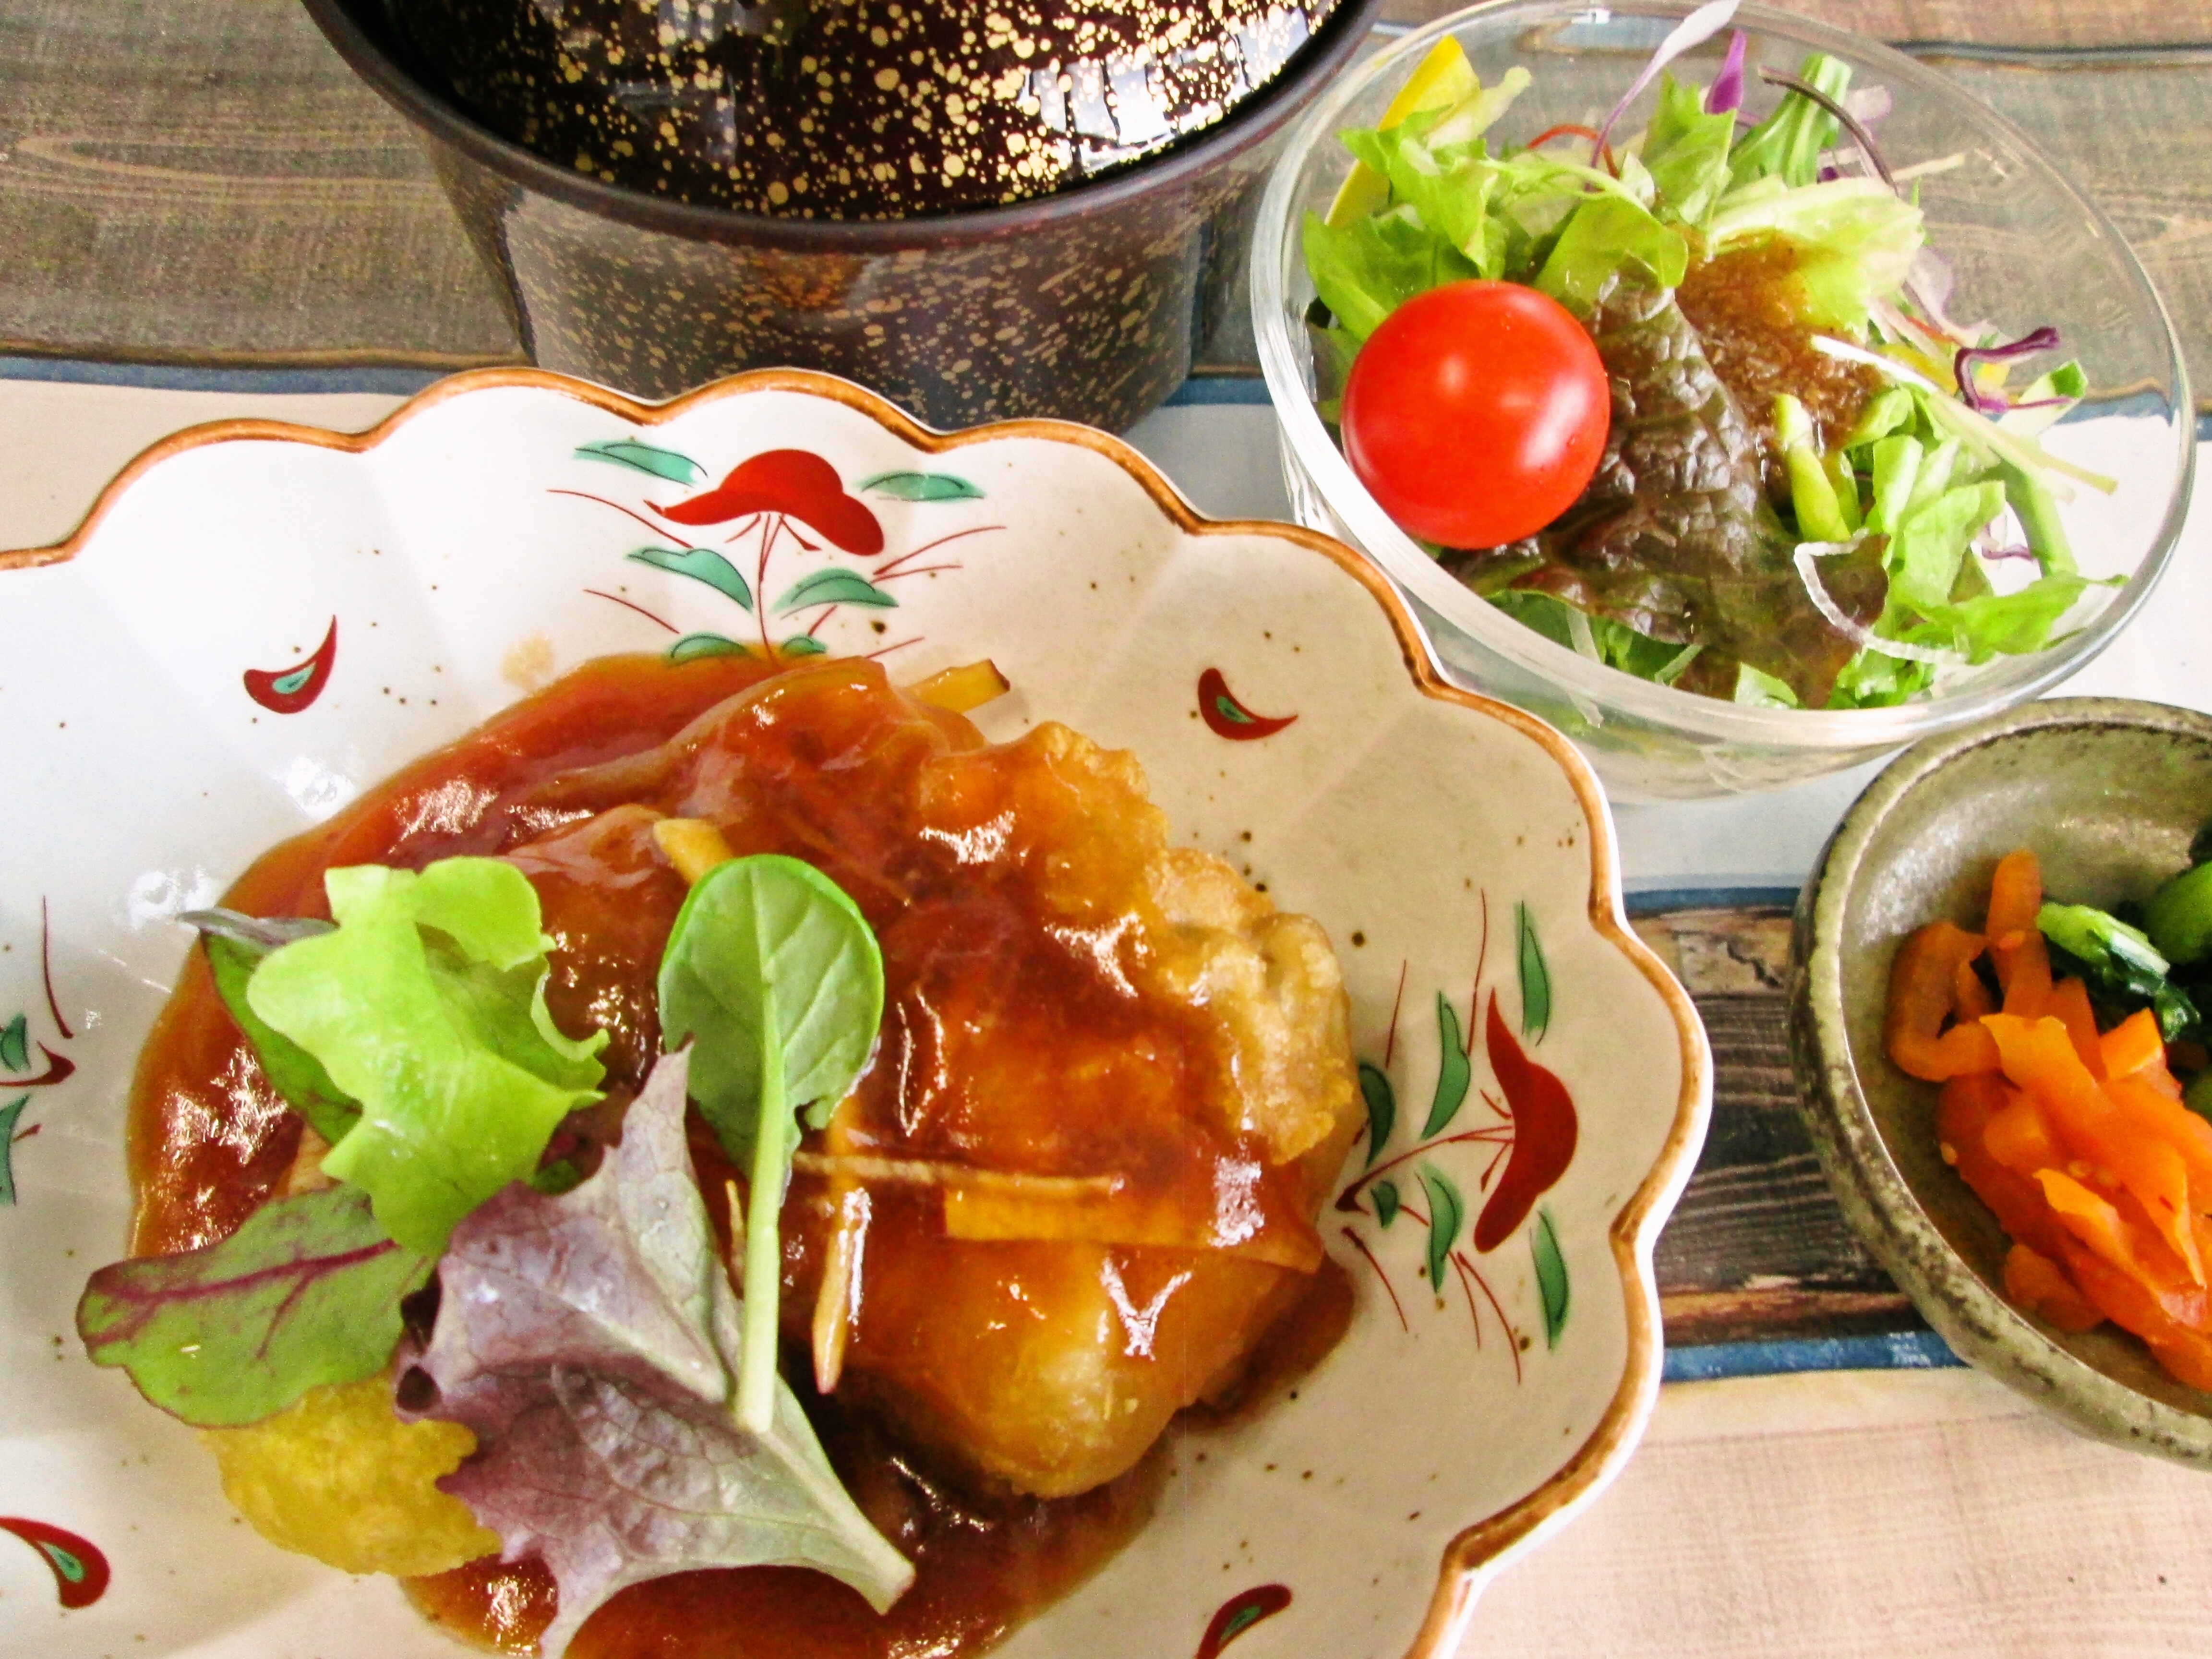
<point x="590" y="1341"/>
<point x="307" y="1292"/>
<point x="1543" y="1133"/>
<point x="796" y="484"/>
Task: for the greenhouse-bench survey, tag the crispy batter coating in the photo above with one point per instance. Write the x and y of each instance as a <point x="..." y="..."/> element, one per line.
<point x="337" y="1475"/>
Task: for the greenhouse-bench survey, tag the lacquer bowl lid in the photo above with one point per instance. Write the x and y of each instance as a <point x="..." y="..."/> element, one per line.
<point x="812" y="109"/>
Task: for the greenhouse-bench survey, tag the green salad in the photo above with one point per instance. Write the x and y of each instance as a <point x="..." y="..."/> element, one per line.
<point x="1787" y="477"/>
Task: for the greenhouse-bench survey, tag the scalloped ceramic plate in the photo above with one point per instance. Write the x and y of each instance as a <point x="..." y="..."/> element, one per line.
<point x="257" y="621"/>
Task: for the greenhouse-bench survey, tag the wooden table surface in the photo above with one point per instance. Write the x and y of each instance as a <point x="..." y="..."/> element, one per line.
<point x="203" y="181"/>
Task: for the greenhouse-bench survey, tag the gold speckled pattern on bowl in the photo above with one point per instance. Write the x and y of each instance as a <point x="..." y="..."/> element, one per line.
<point x="1088" y="304"/>
<point x="860" y="109"/>
<point x="2107" y="793"/>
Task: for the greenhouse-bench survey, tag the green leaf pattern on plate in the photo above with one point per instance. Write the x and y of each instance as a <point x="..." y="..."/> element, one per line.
<point x="1381" y="1191"/>
<point x="1535" y="977"/>
<point x="1381" y="1107"/>
<point x="702" y="564"/>
<point x="922" y="487"/>
<point x="692" y="646"/>
<point x="836" y="586"/>
<point x="1551" y="1275"/>
<point x="1452" y="1074"/>
<point x="1447" y="1215"/>
<point x="643" y="457"/>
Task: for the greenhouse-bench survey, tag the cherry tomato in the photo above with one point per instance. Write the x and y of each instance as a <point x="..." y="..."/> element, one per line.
<point x="1476" y="413"/>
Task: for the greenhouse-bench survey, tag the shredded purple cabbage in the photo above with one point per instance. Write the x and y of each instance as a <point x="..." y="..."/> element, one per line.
<point x="1726" y="93"/>
<point x="1994" y="403"/>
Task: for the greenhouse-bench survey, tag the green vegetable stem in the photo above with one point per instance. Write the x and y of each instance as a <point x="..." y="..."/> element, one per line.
<point x="1812" y="492"/>
<point x="774" y="976"/>
<point x="2120" y="964"/>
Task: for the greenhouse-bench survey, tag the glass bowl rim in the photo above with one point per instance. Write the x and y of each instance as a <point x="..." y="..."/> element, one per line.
<point x="1577" y="678"/>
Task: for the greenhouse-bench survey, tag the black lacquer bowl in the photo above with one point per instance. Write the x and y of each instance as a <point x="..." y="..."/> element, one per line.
<point x="1087" y="303"/>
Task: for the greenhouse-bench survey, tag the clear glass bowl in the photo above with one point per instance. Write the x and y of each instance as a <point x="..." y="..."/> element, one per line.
<point x="2027" y="249"/>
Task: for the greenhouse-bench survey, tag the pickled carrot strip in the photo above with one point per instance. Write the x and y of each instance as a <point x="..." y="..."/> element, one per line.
<point x="2068" y="1002"/>
<point x="1923" y="988"/>
<point x="2023" y="965"/>
<point x="1963" y="1114"/>
<point x="2151" y="1111"/>
<point x="2015" y="896"/>
<point x="2042" y="1058"/>
<point x="2095" y="1221"/>
<point x="2132" y="1044"/>
<point x="2039" y="1056"/>
<point x="2033" y="1281"/>
<point x="2183" y="1351"/>
<point x="2020" y="1137"/>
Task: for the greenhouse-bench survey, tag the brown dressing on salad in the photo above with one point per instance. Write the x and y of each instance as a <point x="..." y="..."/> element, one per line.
<point x="1745" y="305"/>
<point x="568" y="784"/>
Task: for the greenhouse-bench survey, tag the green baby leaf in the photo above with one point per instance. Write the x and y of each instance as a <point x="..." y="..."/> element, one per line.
<point x="306" y="1293"/>
<point x="588" y="1341"/>
<point x="15" y="1045"/>
<point x="1365" y="270"/>
<point x="237" y="944"/>
<point x="775" y="976"/>
<point x="427" y="1004"/>
<point x="1929" y="540"/>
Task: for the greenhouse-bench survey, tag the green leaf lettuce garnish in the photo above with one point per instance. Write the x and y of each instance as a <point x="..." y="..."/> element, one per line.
<point x="235" y="945"/>
<point x="588" y="1341"/>
<point x="1686" y="152"/>
<point x="776" y="976"/>
<point x="427" y="1004"/>
<point x="307" y="1292"/>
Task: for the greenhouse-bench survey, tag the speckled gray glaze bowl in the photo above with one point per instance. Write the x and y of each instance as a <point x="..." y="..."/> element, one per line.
<point x="1089" y="304"/>
<point x="2107" y="793"/>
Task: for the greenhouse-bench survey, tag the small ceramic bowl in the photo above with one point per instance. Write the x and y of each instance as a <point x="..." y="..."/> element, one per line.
<point x="2026" y="248"/>
<point x="2107" y="793"/>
